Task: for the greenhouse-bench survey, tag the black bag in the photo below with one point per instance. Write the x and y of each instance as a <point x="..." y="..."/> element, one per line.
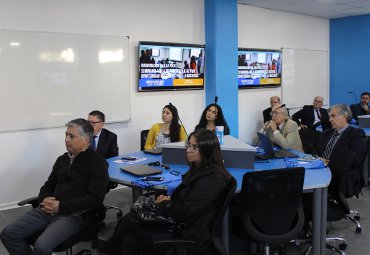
<point x="148" y="213"/>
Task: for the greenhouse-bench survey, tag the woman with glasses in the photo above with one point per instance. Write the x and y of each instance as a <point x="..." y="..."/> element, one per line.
<point x="169" y="131"/>
<point x="211" y="117"/>
<point x="194" y="203"/>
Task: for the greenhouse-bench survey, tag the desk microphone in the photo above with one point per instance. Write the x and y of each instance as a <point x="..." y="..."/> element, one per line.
<point x="179" y="120"/>
<point x="264" y="129"/>
<point x="354" y="93"/>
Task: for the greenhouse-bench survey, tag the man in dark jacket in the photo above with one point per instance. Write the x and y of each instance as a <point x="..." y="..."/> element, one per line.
<point x="104" y="141"/>
<point x="342" y="135"/>
<point x="77" y="182"/>
<point x="361" y="108"/>
<point x="313" y="115"/>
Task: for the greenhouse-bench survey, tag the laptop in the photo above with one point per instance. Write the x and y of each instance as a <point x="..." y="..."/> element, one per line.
<point x="140" y="170"/>
<point x="155" y="151"/>
<point x="269" y="150"/>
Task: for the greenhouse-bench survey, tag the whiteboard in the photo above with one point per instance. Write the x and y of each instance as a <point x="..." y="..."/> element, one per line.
<point x="47" y="79"/>
<point x="305" y="74"/>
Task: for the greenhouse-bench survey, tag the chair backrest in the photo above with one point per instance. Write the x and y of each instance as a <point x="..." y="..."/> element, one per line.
<point x="143" y="137"/>
<point x="271" y="204"/>
<point x="340" y="163"/>
<point x="217" y="228"/>
<point x="310" y="138"/>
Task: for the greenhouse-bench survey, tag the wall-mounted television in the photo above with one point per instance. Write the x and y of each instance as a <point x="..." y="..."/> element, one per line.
<point x="258" y="68"/>
<point x="170" y="66"/>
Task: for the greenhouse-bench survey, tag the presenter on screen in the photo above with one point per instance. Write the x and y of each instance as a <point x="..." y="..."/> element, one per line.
<point x="169" y="131"/>
<point x="211" y="117"/>
<point x="283" y="131"/>
<point x="104" y="141"/>
<point x="361" y="108"/>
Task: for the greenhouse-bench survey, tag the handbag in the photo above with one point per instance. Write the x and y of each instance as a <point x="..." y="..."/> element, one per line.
<point x="145" y="211"/>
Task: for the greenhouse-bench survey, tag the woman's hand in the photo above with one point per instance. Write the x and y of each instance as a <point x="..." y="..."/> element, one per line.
<point x="162" y="198"/>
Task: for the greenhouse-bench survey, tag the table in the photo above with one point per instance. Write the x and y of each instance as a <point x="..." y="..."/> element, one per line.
<point x="316" y="180"/>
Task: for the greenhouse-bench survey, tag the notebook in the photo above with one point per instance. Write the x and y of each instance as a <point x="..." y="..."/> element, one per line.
<point x="140" y="170"/>
<point x="266" y="145"/>
<point x="156" y="151"/>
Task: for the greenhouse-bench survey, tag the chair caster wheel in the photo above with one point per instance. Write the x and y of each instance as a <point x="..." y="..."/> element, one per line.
<point x="358" y="230"/>
<point x="357" y="218"/>
<point x="343" y="246"/>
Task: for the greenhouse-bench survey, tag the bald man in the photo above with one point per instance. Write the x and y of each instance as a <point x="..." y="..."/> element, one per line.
<point x="312" y="116"/>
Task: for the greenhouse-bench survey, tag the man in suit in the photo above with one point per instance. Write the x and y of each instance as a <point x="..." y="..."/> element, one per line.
<point x="282" y="131"/>
<point x="361" y="108"/>
<point x="343" y="135"/>
<point x="105" y="141"/>
<point x="274" y="100"/>
<point x="77" y="182"/>
<point x="312" y="116"/>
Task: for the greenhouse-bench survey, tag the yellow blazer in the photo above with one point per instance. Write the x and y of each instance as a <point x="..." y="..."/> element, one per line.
<point x="154" y="131"/>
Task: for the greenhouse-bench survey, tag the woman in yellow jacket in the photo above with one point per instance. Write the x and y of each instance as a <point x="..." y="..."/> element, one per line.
<point x="169" y="131"/>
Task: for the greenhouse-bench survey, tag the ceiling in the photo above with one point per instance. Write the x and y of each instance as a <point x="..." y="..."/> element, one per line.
<point x="328" y="9"/>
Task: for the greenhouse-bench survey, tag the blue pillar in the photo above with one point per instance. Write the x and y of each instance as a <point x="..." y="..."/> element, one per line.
<point x="221" y="30"/>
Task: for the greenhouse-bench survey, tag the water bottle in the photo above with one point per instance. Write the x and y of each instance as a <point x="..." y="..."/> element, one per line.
<point x="220" y="133"/>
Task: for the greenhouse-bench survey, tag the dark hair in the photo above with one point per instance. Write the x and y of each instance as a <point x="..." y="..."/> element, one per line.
<point x="84" y="127"/>
<point x="210" y="153"/>
<point x="365" y="94"/>
<point x="219" y="121"/>
<point x="98" y="114"/>
<point x="175" y="126"/>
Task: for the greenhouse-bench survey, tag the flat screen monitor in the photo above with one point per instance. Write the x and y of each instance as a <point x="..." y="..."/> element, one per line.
<point x="258" y="68"/>
<point x="170" y="66"/>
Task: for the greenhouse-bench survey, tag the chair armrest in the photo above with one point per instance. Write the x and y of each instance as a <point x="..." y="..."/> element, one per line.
<point x="31" y="200"/>
<point x="175" y="240"/>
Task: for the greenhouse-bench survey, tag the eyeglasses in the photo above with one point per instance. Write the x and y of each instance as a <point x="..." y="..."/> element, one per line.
<point x="94" y="122"/>
<point x="191" y="147"/>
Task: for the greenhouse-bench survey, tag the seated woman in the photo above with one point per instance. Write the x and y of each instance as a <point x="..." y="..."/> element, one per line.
<point x="169" y="131"/>
<point x="194" y="203"/>
<point x="211" y="117"/>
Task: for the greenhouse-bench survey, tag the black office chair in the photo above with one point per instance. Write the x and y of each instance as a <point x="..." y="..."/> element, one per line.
<point x="340" y="162"/>
<point x="94" y="216"/>
<point x="310" y="138"/>
<point x="143" y="137"/>
<point x="216" y="227"/>
<point x="270" y="206"/>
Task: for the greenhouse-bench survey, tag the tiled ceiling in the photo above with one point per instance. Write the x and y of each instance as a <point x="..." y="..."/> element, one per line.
<point x="328" y="9"/>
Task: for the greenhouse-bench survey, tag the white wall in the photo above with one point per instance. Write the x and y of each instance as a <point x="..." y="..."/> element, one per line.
<point x="27" y="156"/>
<point x="267" y="29"/>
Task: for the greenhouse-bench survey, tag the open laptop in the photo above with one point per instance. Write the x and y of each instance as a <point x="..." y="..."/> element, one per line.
<point x="266" y="145"/>
<point x="156" y="151"/>
<point x="140" y="170"/>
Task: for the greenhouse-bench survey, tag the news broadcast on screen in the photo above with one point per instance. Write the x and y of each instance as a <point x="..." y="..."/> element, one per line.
<point x="259" y="68"/>
<point x="170" y="66"/>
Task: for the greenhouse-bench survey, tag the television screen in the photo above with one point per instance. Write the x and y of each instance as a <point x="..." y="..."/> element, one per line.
<point x="170" y="66"/>
<point x="259" y="68"/>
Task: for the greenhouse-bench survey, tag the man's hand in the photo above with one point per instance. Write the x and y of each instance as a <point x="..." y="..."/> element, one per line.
<point x="365" y="107"/>
<point x="162" y="198"/>
<point x="273" y="126"/>
<point x="50" y="205"/>
<point x="303" y="126"/>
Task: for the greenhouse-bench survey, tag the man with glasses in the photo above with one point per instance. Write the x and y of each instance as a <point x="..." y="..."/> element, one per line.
<point x="361" y="108"/>
<point x="342" y="135"/>
<point x="313" y="116"/>
<point x="281" y="130"/>
<point x="104" y="141"/>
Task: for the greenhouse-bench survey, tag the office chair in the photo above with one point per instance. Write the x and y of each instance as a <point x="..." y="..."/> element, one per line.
<point x="310" y="138"/>
<point x="143" y="137"/>
<point x="270" y="206"/>
<point x="95" y="216"/>
<point x="216" y="227"/>
<point x="340" y="162"/>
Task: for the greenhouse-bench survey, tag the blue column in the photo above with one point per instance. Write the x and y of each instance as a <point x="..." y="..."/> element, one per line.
<point x="221" y="30"/>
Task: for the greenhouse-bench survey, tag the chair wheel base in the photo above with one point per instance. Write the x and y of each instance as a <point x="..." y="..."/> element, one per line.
<point x="357" y="218"/>
<point x="358" y="230"/>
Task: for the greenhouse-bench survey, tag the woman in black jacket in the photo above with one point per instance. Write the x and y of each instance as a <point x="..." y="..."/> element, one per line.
<point x="213" y="116"/>
<point x="194" y="203"/>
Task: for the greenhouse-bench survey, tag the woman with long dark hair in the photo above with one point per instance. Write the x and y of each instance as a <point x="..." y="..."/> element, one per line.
<point x="194" y="204"/>
<point x="211" y="117"/>
<point x="169" y="131"/>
